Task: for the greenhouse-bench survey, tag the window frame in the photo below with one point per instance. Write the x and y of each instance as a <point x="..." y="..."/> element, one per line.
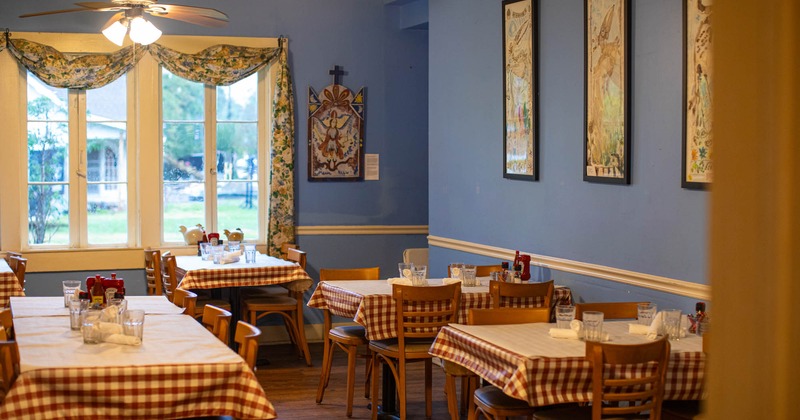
<point x="144" y="151"/>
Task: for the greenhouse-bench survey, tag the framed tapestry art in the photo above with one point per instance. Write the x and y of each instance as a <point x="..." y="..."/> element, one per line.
<point x="520" y="90"/>
<point x="335" y="132"/>
<point x="697" y="170"/>
<point x="607" y="141"/>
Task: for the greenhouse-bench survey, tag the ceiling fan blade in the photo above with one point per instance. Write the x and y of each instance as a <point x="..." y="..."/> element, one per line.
<point x="112" y="19"/>
<point x="197" y="15"/>
<point x="101" y="6"/>
<point x="53" y="12"/>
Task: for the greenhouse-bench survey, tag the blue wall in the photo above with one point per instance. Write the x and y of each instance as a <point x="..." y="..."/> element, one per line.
<point x="651" y="226"/>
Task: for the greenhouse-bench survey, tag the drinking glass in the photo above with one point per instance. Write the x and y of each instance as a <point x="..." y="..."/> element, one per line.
<point x="205" y="251"/>
<point x="405" y="269"/>
<point x="76" y="307"/>
<point x="593" y="326"/>
<point x="233" y="246"/>
<point x="468" y="278"/>
<point x="69" y="287"/>
<point x="455" y="270"/>
<point x="419" y="275"/>
<point x="564" y="316"/>
<point x="133" y="322"/>
<point x="250" y="254"/>
<point x="645" y="313"/>
<point x="90" y="326"/>
<point x="217" y="252"/>
<point x="672" y="323"/>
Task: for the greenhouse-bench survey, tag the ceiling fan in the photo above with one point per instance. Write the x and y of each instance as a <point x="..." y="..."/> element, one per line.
<point x="130" y="15"/>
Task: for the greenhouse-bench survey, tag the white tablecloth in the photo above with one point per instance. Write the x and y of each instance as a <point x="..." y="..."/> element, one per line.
<point x="24" y="307"/>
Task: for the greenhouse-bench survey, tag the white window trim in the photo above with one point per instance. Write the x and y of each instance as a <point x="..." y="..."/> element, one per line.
<point x="144" y="151"/>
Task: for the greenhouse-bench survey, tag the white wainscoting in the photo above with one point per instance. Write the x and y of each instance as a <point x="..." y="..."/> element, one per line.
<point x="633" y="278"/>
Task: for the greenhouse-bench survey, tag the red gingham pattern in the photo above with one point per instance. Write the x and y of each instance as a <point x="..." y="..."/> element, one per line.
<point x="376" y="312"/>
<point x="554" y="380"/>
<point x="138" y="392"/>
<point x="9" y="286"/>
<point x="240" y="277"/>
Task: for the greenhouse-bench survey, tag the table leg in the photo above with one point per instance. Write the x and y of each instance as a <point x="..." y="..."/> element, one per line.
<point x="388" y="408"/>
<point x="236" y="315"/>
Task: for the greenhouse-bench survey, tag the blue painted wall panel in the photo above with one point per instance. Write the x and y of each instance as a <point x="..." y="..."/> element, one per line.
<point x="651" y="226"/>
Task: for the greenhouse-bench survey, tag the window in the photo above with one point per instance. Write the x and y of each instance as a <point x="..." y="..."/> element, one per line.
<point x="86" y="131"/>
<point x="210" y="156"/>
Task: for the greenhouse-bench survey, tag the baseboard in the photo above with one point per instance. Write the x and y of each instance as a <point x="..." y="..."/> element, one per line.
<point x="633" y="278"/>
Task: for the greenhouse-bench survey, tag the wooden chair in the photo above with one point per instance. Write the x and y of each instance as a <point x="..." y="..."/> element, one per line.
<point x="9" y="365"/>
<point x="290" y="308"/>
<point x="285" y="249"/>
<point x="347" y="338"/>
<point x="289" y="252"/>
<point x="185" y="299"/>
<point x="490" y="400"/>
<point x="420" y="313"/>
<point x="218" y="321"/>
<point x="520" y="295"/>
<point x="170" y="280"/>
<point x="18" y="265"/>
<point x="152" y="271"/>
<point x="610" y="310"/>
<point x="417" y="256"/>
<point x="246" y="337"/>
<point x="612" y="382"/>
<point x="7" y="324"/>
<point x="482" y="270"/>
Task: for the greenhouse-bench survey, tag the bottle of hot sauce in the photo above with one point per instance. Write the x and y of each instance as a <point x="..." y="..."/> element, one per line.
<point x="97" y="292"/>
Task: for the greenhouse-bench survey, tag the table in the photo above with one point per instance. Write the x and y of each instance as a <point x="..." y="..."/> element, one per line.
<point x="180" y="370"/>
<point x="25" y="307"/>
<point x="526" y="363"/>
<point x="9" y="285"/>
<point x="369" y="303"/>
<point x="203" y="274"/>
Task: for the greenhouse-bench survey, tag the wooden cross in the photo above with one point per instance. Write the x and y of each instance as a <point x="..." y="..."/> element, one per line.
<point x="337" y="74"/>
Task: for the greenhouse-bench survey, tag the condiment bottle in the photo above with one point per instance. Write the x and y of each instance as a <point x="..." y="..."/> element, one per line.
<point x="517" y="276"/>
<point x="97" y="292"/>
<point x="504" y="264"/>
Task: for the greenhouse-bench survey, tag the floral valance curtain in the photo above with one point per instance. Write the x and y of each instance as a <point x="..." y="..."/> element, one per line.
<point x="216" y="65"/>
<point x="73" y="71"/>
<point x="219" y="65"/>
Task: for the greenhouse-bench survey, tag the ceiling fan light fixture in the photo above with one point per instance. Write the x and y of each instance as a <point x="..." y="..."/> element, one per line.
<point x="116" y="32"/>
<point x="143" y="32"/>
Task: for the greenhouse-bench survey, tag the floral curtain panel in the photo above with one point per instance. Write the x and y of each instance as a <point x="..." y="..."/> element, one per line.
<point x="281" y="202"/>
<point x="216" y="65"/>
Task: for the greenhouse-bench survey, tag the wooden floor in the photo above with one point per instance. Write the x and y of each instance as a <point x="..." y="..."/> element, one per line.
<point x="291" y="386"/>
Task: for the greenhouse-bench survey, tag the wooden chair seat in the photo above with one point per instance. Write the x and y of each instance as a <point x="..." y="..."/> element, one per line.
<point x="415" y="348"/>
<point x="681" y="410"/>
<point x="349" y="338"/>
<point x="492" y="399"/>
<point x="289" y="308"/>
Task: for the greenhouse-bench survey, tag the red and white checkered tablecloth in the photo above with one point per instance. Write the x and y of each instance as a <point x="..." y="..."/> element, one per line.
<point x="180" y="370"/>
<point x="200" y="274"/>
<point x="527" y="364"/>
<point x="9" y="285"/>
<point x="369" y="303"/>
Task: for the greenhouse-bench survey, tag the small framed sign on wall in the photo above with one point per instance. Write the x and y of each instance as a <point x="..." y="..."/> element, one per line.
<point x="607" y="140"/>
<point x="520" y="90"/>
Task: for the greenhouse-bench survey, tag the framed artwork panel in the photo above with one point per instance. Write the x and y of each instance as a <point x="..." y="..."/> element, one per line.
<point x="520" y="90"/>
<point x="696" y="166"/>
<point x="607" y="125"/>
